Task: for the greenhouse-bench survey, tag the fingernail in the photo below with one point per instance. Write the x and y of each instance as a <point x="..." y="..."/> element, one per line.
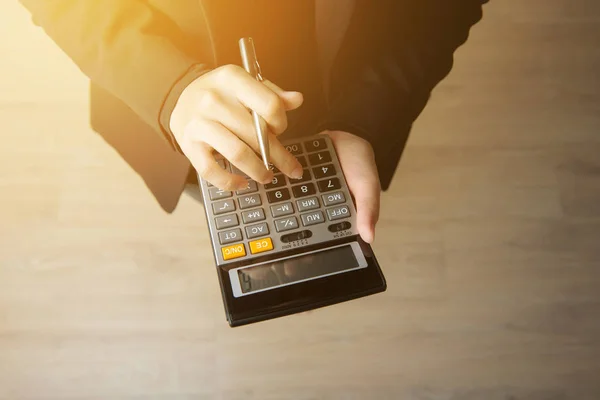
<point x="243" y="185"/>
<point x="297" y="173"/>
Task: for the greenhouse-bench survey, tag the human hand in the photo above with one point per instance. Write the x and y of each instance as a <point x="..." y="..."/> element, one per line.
<point x="212" y="114"/>
<point x="357" y="160"/>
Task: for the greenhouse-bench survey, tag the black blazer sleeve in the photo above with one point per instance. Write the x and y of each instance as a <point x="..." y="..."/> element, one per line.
<point x="124" y="46"/>
<point x="394" y="54"/>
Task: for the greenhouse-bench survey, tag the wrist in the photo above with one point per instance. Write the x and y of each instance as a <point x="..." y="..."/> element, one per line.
<point x="167" y="121"/>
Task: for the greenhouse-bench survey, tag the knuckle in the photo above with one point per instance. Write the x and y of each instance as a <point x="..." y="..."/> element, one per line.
<point x="273" y="105"/>
<point x="228" y="70"/>
<point x="208" y="99"/>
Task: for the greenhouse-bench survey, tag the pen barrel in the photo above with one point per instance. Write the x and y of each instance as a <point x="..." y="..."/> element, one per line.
<point x="263" y="141"/>
<point x="249" y="60"/>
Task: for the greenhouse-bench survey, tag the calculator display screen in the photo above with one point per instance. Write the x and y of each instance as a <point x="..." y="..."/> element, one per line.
<point x="284" y="272"/>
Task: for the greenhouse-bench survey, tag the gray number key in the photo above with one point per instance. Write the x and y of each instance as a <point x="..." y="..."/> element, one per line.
<point x="223" y="206"/>
<point x="282" y="209"/>
<point x="230" y="236"/>
<point x="307" y="204"/>
<point x="257" y="230"/>
<point x="312" y="218"/>
<point x="285" y="224"/>
<point x="249" y="201"/>
<point x="338" y="212"/>
<point x="333" y="198"/>
<point x="217" y="194"/>
<point x="253" y="215"/>
<point x="227" y="221"/>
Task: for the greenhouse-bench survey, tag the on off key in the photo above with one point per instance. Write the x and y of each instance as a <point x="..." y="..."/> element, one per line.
<point x="233" y="251"/>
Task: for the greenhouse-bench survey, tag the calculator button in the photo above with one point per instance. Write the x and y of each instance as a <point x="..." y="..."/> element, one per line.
<point x="304" y="190"/>
<point x="312" y="218"/>
<point x="223" y="206"/>
<point x="321" y="157"/>
<point x="324" y="171"/>
<point x="292" y="237"/>
<point x="286" y="224"/>
<point x="333" y="198"/>
<point x="295" y="148"/>
<point x="257" y="230"/>
<point x="305" y="177"/>
<point x="315" y="144"/>
<point x="249" y="201"/>
<point x="253" y="215"/>
<point x="217" y="194"/>
<point x="278" y="195"/>
<point x="282" y="209"/>
<point x="340" y="226"/>
<point x="329" y="184"/>
<point x="233" y="235"/>
<point x="252" y="187"/>
<point x="261" y="245"/>
<point x="227" y="221"/>
<point x="307" y="204"/>
<point x="278" y="181"/>
<point x="338" y="212"/>
<point x="233" y="251"/>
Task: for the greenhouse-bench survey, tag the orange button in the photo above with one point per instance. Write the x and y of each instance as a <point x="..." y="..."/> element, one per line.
<point x="260" y="245"/>
<point x="233" y="251"/>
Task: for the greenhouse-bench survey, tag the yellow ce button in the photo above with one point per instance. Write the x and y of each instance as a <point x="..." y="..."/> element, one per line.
<point x="260" y="245"/>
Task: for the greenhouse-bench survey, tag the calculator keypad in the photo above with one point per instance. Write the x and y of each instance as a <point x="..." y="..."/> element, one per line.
<point x="223" y="206"/>
<point x="255" y="215"/>
<point x="227" y="221"/>
<point x="278" y="195"/>
<point x="312" y="218"/>
<point x="321" y="157"/>
<point x="304" y="190"/>
<point x="333" y="198"/>
<point x="307" y="204"/>
<point x="263" y="218"/>
<point x="216" y="193"/>
<point x="230" y="236"/>
<point x="286" y="224"/>
<point x="258" y="230"/>
<point x="249" y="201"/>
<point x="282" y="209"/>
<point x="329" y="184"/>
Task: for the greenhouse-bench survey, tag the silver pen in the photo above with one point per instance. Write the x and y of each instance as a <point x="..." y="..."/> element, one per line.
<point x="251" y="65"/>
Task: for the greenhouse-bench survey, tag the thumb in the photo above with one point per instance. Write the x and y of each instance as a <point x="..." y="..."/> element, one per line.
<point x="360" y="170"/>
<point x="366" y="194"/>
<point x="291" y="99"/>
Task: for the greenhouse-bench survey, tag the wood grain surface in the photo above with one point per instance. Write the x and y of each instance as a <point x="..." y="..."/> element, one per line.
<point x="489" y="238"/>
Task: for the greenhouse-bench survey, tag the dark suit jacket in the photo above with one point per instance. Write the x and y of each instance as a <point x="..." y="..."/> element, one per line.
<point x="369" y="71"/>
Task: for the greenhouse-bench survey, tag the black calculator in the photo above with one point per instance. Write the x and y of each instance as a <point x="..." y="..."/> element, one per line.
<point x="291" y="245"/>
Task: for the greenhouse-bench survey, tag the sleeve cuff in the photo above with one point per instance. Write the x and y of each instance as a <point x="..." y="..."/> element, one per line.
<point x="164" y="118"/>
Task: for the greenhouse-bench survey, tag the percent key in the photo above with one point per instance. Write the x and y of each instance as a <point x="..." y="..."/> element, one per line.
<point x="249" y="201"/>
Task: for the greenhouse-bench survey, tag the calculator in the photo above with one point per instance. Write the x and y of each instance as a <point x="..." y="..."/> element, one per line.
<point x="291" y="245"/>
